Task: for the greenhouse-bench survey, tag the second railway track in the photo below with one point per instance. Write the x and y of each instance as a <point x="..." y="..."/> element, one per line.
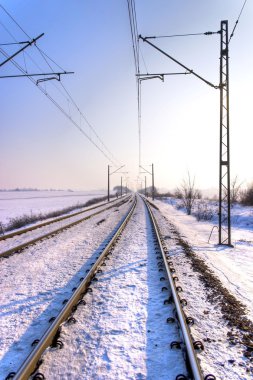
<point x="20" y="239"/>
<point x="128" y="319"/>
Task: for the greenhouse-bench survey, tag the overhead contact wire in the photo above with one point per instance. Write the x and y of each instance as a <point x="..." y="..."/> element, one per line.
<point x="57" y="105"/>
<point x="112" y="159"/>
<point x="135" y="44"/>
<point x="237" y="21"/>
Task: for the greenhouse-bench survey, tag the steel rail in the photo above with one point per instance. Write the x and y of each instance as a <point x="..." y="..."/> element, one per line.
<point x="30" y="364"/>
<point x="35" y="240"/>
<point x="57" y="219"/>
<point x="192" y="357"/>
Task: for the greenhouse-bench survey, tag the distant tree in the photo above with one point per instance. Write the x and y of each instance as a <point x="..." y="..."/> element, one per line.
<point x="235" y="190"/>
<point x="247" y="196"/>
<point x="188" y="193"/>
<point x="164" y="195"/>
<point x="178" y="193"/>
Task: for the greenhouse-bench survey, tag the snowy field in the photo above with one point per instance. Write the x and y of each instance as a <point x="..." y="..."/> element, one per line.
<point x="233" y="265"/>
<point x="34" y="283"/>
<point x="121" y="333"/>
<point x="18" y="203"/>
<point x="224" y="349"/>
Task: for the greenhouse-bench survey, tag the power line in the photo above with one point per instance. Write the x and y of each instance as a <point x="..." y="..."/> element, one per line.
<point x="143" y="59"/>
<point x="135" y="43"/>
<point x="14" y="21"/>
<point x="70" y="98"/>
<point x="56" y="104"/>
<point x="134" y="32"/>
<point x="183" y="35"/>
<point x="14" y="43"/>
<point x="237" y="21"/>
<point x="179" y="63"/>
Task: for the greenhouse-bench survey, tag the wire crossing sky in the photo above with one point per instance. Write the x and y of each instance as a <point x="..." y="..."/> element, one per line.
<point x="102" y="148"/>
<point x="98" y="41"/>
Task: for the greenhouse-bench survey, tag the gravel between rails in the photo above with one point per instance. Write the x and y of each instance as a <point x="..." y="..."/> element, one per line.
<point x="121" y="332"/>
<point x="34" y="284"/>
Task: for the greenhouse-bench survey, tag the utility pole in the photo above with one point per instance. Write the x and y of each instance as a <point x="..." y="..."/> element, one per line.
<point x="153" y="187"/>
<point x="108" y="184"/>
<point x="153" y="181"/>
<point x="108" y="179"/>
<point x="224" y="154"/>
<point x="121" y="186"/>
<point x="27" y="44"/>
<point x="145" y="186"/>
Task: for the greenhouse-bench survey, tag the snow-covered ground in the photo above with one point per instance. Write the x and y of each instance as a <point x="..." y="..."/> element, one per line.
<point x="241" y="216"/>
<point x="121" y="333"/>
<point x="232" y="266"/>
<point x="34" y="283"/>
<point x="18" y="203"/>
<point x="13" y="242"/>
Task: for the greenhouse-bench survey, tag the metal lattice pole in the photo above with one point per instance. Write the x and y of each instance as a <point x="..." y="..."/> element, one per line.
<point x="153" y="183"/>
<point x="224" y="159"/>
<point x="108" y="183"/>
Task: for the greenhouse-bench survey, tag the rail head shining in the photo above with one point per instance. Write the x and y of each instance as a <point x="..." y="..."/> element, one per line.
<point x="57" y="230"/>
<point x="193" y="360"/>
<point x="30" y="364"/>
<point x="9" y="235"/>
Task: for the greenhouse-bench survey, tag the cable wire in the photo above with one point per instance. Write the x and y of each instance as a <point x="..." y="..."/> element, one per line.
<point x="136" y="51"/>
<point x="69" y="98"/>
<point x="14" y="43"/>
<point x="56" y="104"/>
<point x="183" y="35"/>
<point x="237" y="21"/>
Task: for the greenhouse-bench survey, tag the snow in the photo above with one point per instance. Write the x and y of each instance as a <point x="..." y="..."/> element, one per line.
<point x="30" y="235"/>
<point x="121" y="333"/>
<point x="34" y="283"/>
<point x="18" y="203"/>
<point x="233" y="266"/>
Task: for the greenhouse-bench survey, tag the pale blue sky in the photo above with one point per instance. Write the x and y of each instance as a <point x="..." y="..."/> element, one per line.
<point x="180" y="118"/>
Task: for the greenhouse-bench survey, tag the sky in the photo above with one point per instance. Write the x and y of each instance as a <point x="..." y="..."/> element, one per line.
<point x="40" y="146"/>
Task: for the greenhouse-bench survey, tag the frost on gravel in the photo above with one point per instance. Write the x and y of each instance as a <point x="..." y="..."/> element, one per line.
<point x="121" y="333"/>
<point x="222" y="320"/>
<point x="30" y="235"/>
<point x="35" y="282"/>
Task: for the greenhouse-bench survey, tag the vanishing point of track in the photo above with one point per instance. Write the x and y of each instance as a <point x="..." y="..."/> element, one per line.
<point x="30" y="367"/>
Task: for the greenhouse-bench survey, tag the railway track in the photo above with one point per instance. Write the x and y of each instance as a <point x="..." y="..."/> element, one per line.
<point x="91" y="283"/>
<point x="56" y="225"/>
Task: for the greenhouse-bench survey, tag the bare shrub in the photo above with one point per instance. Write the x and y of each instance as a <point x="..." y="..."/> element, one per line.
<point x="1" y="228"/>
<point x="203" y="211"/>
<point x="23" y="220"/>
<point x="179" y="206"/>
<point x="178" y="193"/>
<point x="188" y="193"/>
<point x="247" y="196"/>
<point x="235" y="190"/>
